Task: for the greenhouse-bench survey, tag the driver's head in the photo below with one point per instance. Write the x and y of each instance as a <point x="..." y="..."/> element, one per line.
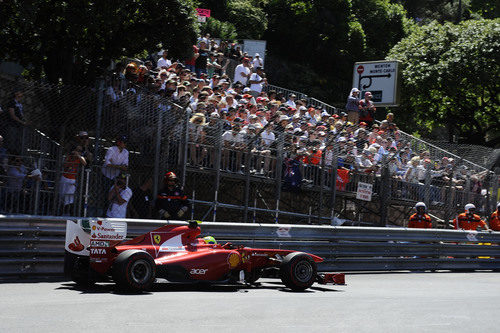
<point x="209" y="240"/>
<point x="498" y="206"/>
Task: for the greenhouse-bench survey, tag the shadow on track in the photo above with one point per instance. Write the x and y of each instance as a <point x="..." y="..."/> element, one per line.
<point x="110" y="288"/>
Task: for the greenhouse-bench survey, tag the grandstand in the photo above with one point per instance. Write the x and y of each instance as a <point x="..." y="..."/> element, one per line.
<point x="261" y="161"/>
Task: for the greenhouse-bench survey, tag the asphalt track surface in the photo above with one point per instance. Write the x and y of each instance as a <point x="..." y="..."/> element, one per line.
<point x="404" y="302"/>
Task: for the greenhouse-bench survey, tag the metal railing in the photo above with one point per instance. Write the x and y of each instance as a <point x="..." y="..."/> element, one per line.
<point x="34" y="245"/>
<point x="245" y="182"/>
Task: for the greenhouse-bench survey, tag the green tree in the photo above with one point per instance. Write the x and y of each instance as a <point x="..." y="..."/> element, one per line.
<point x="74" y="41"/>
<point x="249" y="19"/>
<point x="426" y="11"/>
<point x="219" y="29"/>
<point x="450" y="79"/>
<point x="384" y="24"/>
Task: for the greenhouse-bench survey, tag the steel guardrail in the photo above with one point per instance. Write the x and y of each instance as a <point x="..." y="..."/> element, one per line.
<point x="34" y="245"/>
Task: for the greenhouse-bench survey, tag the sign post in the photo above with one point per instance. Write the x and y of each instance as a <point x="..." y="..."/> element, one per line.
<point x="381" y="78"/>
<point x="364" y="191"/>
<point x="202" y="14"/>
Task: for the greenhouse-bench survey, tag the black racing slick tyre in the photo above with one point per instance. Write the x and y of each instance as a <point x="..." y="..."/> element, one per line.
<point x="134" y="270"/>
<point x="77" y="268"/>
<point x="298" y="271"/>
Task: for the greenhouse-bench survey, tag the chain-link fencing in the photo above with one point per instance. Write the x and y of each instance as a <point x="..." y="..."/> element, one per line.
<point x="257" y="168"/>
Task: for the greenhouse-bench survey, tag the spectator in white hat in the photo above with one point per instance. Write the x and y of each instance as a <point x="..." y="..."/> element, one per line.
<point x="257" y="61"/>
<point x="291" y="101"/>
<point x="352" y="106"/>
<point x="242" y="72"/>
<point x="163" y="62"/>
<point x="257" y="82"/>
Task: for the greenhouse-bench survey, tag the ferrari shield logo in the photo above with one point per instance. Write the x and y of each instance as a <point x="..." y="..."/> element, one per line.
<point x="157" y="239"/>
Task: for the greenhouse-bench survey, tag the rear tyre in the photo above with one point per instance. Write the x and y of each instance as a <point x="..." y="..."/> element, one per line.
<point x="298" y="271"/>
<point x="77" y="268"/>
<point x="134" y="270"/>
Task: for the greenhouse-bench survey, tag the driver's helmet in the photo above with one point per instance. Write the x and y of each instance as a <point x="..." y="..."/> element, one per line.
<point x="470" y="208"/>
<point x="498" y="205"/>
<point x="209" y="240"/>
<point x="420" y="207"/>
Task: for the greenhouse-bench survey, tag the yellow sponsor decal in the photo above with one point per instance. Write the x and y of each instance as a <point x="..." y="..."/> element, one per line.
<point x="233" y="259"/>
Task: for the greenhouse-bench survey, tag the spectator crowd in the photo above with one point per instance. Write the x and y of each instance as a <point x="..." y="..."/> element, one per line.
<point x="237" y="110"/>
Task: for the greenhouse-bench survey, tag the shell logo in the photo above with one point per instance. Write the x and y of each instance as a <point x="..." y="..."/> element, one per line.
<point x="233" y="260"/>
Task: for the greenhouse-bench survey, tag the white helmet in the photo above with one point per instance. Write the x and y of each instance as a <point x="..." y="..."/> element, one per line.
<point x="498" y="205"/>
<point x="468" y="207"/>
<point x="420" y="204"/>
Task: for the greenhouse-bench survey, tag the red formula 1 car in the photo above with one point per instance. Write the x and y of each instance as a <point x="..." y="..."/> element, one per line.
<point x="175" y="253"/>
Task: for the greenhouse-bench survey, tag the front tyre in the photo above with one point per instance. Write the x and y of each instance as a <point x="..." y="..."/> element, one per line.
<point x="298" y="271"/>
<point x="134" y="270"/>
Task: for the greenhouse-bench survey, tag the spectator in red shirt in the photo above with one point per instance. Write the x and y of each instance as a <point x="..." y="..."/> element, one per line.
<point x="367" y="109"/>
<point x="190" y="63"/>
<point x="67" y="182"/>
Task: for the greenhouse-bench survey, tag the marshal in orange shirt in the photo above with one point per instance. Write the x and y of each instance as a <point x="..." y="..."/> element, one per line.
<point x="495" y="221"/>
<point x="420" y="221"/>
<point x="468" y="222"/>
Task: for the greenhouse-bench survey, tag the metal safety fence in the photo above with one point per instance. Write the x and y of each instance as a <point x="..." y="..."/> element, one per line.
<point x="252" y="162"/>
<point x="34" y="246"/>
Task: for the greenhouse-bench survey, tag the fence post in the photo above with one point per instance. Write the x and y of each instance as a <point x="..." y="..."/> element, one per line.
<point x="494" y="179"/>
<point x="448" y="203"/>
<point x="156" y="171"/>
<point x="86" y="196"/>
<point x="279" y="170"/>
<point x="384" y="193"/>
<point x="248" y="159"/>
<point x="487" y="210"/>
<point x="218" y="158"/>
<point x="37" y="188"/>
<point x="57" y="180"/>
<point x="466" y="196"/>
<point x="334" y="184"/>
<point x="427" y="187"/>
<point x="100" y="99"/>
<point x="321" y="184"/>
<point x="185" y="153"/>
<point x="80" y="192"/>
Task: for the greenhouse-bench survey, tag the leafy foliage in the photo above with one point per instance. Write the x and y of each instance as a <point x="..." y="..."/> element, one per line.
<point x="220" y="29"/>
<point x="74" y="41"/>
<point x="383" y="23"/>
<point x="450" y="78"/>
<point x="426" y="11"/>
<point x="249" y="20"/>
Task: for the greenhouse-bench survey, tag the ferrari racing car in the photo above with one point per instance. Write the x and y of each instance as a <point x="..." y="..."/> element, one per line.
<point x="177" y="254"/>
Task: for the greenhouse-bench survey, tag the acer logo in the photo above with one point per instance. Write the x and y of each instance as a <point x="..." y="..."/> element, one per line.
<point x="198" y="271"/>
<point x="97" y="251"/>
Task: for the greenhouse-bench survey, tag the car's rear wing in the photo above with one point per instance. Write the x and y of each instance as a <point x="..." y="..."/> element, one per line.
<point x="82" y="235"/>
